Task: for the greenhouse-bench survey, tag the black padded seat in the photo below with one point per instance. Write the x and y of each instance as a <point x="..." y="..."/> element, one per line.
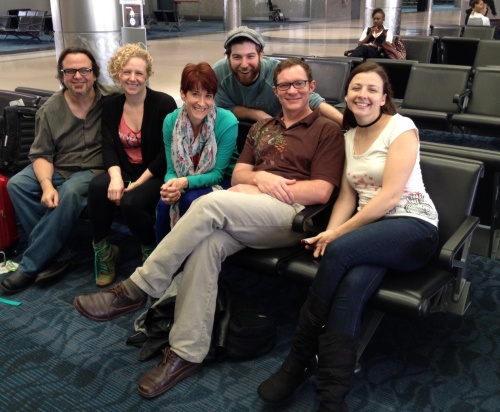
<point x="271" y="261"/>
<point x="459" y="50"/>
<point x="479" y="32"/>
<point x="284" y="56"/>
<point x="398" y="72"/>
<point x="441" y="286"/>
<point x="408" y="294"/>
<point x="354" y="61"/>
<point x="482" y="113"/>
<point x="428" y="99"/>
<point x="31" y="26"/>
<point x="451" y="183"/>
<point x="419" y="48"/>
<point x="7" y="96"/>
<point x="4" y="23"/>
<point x="331" y="77"/>
<point x="487" y="204"/>
<point x="488" y="53"/>
<point x="34" y="91"/>
<point x="264" y="261"/>
<point x="446" y="30"/>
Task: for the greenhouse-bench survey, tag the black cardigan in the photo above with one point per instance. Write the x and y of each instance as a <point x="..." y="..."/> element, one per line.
<point x="156" y="107"/>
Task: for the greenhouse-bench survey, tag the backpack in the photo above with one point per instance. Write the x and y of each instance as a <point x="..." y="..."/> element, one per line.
<point x="251" y="332"/>
<point x="17" y="133"/>
<point x="241" y="329"/>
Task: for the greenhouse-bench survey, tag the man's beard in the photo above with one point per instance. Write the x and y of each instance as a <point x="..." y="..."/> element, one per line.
<point x="247" y="80"/>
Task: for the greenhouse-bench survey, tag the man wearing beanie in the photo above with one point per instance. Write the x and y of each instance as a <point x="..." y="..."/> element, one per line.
<point x="246" y="80"/>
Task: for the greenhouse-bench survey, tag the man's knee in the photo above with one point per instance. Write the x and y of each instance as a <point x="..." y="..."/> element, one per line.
<point x="73" y="192"/>
<point x="21" y="182"/>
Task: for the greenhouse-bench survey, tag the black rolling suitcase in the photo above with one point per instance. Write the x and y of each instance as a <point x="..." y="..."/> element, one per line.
<point x="17" y="132"/>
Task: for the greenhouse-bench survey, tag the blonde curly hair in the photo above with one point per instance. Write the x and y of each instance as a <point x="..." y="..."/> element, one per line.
<point x="123" y="55"/>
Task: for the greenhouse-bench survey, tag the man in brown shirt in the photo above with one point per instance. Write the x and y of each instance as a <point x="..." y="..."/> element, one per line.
<point x="290" y="161"/>
<point x="50" y="194"/>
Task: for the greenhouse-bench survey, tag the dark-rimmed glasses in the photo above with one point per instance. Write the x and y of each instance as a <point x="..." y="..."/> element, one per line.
<point x="84" y="71"/>
<point x="298" y="84"/>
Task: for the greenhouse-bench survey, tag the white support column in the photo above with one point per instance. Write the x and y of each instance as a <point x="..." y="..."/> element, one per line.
<point x="93" y="24"/>
<point x="232" y="14"/>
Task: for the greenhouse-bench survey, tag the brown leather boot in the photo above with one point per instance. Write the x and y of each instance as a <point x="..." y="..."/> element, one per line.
<point x="170" y="371"/>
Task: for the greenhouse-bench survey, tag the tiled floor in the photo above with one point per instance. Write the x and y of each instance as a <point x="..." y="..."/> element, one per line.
<point x="319" y="38"/>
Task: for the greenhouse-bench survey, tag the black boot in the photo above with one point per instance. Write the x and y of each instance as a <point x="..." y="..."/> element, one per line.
<point x="337" y="356"/>
<point x="301" y="361"/>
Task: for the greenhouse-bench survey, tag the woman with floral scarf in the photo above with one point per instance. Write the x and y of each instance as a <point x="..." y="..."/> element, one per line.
<point x="200" y="144"/>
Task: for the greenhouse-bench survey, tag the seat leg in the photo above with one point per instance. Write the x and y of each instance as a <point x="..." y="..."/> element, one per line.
<point x="371" y="320"/>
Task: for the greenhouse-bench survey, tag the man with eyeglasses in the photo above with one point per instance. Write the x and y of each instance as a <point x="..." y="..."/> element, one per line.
<point x="50" y="194"/>
<point x="246" y="80"/>
<point x="289" y="161"/>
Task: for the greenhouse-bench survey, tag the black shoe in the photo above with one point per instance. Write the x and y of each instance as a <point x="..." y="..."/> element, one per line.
<point x="137" y="339"/>
<point x="53" y="271"/>
<point x="16" y="282"/>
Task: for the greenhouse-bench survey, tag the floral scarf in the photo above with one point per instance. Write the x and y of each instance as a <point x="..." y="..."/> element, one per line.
<point x="185" y="145"/>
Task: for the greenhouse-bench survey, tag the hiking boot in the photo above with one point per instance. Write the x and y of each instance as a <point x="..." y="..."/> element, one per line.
<point x="105" y="259"/>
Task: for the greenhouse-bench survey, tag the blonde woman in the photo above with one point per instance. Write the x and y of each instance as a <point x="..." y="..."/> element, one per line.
<point x="134" y="158"/>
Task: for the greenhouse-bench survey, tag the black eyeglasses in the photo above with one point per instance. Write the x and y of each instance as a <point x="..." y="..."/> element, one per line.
<point x="84" y="71"/>
<point x="298" y="84"/>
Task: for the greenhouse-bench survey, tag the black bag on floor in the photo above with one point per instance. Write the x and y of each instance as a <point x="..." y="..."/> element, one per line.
<point x="241" y="329"/>
<point x="17" y="133"/>
<point x="251" y="333"/>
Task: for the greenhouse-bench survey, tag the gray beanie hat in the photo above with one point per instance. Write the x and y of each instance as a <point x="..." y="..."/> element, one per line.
<point x="244" y="31"/>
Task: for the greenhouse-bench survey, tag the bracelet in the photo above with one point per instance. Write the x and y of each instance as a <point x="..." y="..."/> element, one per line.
<point x="43" y="178"/>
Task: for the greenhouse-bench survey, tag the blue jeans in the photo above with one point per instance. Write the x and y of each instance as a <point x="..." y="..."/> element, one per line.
<point x="48" y="229"/>
<point x="355" y="264"/>
<point x="162" y="227"/>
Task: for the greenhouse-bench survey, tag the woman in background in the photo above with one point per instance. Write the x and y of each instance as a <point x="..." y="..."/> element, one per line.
<point x="370" y="42"/>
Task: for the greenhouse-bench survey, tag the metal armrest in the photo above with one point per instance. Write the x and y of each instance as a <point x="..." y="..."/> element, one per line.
<point x="304" y="220"/>
<point x="457" y="241"/>
<point x="462" y="99"/>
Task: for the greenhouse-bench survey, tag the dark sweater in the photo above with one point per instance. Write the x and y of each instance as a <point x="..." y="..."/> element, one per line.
<point x="156" y="107"/>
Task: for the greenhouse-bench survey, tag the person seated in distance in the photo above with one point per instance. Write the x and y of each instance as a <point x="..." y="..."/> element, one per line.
<point x="479" y="10"/>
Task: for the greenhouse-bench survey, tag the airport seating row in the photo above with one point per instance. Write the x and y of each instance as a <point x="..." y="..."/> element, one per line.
<point x="30" y="26"/>
<point x="440" y="286"/>
<point x="435" y="96"/>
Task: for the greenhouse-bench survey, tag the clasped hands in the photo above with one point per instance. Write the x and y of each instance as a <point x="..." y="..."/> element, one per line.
<point x="271" y="184"/>
<point x="171" y="191"/>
